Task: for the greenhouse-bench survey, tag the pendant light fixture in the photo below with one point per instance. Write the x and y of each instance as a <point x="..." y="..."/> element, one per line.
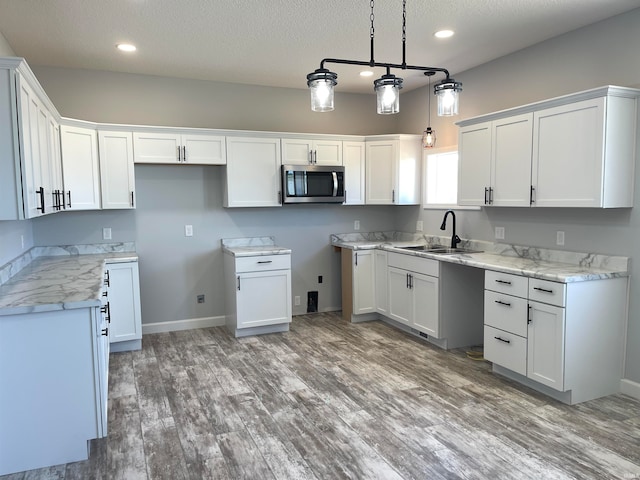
<point x="429" y="135"/>
<point x="321" y="82"/>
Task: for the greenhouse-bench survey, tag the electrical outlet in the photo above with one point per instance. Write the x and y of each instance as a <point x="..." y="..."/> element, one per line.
<point x="188" y="230"/>
<point x="356" y="225"/>
<point x="419" y="226"/>
<point x="22" y="241"/>
<point x="499" y="233"/>
<point x="319" y="278"/>
<point x="559" y="237"/>
<point x="200" y="298"/>
<point x="296" y="300"/>
<point x="106" y="233"/>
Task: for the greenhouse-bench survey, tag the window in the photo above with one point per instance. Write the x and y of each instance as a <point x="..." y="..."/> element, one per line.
<point x="440" y="178"/>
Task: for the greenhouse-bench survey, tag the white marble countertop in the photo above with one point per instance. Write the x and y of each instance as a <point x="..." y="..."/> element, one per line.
<point x="252" y="247"/>
<point x="557" y="266"/>
<point x="60" y="282"/>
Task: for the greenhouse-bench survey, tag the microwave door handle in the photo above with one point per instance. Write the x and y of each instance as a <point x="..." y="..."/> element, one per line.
<point x="335" y="183"/>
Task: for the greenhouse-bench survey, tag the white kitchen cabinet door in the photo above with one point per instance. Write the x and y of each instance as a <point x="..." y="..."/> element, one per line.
<point x="364" y="291"/>
<point x="474" y="170"/>
<point x="151" y="147"/>
<point x="545" y="345"/>
<point x="80" y="167"/>
<point x="252" y="172"/>
<point x="382" y="289"/>
<point x="425" y="304"/>
<point x="511" y="161"/>
<point x="400" y="296"/>
<point x="124" y="302"/>
<point x="117" y="177"/>
<point x="354" y="172"/>
<point x="204" y="150"/>
<point x="568" y="155"/>
<point x="263" y="298"/>
<point x="381" y="172"/>
<point x="302" y="151"/>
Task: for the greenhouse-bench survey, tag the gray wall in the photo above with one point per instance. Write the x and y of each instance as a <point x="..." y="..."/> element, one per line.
<point x="605" y="53"/>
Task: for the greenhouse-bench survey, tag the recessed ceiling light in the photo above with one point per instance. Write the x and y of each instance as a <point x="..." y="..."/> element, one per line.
<point x="444" y="33"/>
<point x="126" y="47"/>
<point x="366" y="73"/>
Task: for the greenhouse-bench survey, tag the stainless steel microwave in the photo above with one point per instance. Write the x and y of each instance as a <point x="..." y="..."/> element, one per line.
<point x="312" y="184"/>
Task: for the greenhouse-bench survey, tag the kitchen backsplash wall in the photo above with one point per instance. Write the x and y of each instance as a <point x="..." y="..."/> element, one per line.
<point x="15" y="239"/>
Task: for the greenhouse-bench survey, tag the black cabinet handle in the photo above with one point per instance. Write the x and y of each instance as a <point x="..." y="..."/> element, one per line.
<point x="356" y="259"/>
<point x="502" y="340"/>
<point x="529" y="319"/>
<point x="486" y="191"/>
<point x="532" y="199"/>
<point x="411" y="281"/>
<point x="545" y="290"/>
<point x="69" y="197"/>
<point x="184" y="154"/>
<point x="40" y="192"/>
<point x="407" y="275"/>
<point x="132" y="203"/>
<point x="238" y="283"/>
<point x="393" y="196"/>
<point x="105" y="332"/>
<point x="271" y="261"/>
<point x="490" y="195"/>
<point x="504" y="282"/>
<point x="502" y="303"/>
<point x="107" y="280"/>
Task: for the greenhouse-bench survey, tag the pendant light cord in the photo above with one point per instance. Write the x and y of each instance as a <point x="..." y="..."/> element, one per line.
<point x="404" y="34"/>
<point x="372" y="34"/>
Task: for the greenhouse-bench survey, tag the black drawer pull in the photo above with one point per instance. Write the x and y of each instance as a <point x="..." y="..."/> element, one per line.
<point x="502" y="303"/>
<point x="545" y="290"/>
<point x="504" y="282"/>
<point x="502" y="340"/>
<point x="265" y="261"/>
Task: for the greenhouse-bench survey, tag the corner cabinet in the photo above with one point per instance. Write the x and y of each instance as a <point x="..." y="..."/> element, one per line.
<point x="80" y="167"/>
<point x="572" y="151"/>
<point x="393" y="170"/>
<point x="252" y="176"/>
<point x="258" y="293"/>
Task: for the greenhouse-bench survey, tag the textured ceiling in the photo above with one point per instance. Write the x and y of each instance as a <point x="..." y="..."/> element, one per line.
<point x="277" y="42"/>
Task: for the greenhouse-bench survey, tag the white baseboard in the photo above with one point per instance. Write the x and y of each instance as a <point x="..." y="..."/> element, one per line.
<point x="188" y="324"/>
<point x="631" y="388"/>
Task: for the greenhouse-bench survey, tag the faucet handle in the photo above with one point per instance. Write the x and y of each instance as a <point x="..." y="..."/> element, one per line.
<point x="456" y="240"/>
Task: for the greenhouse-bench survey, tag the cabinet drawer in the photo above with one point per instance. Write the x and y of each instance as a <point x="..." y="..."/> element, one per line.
<point x="505" y="349"/>
<point x="505" y="312"/>
<point x="263" y="262"/>
<point x="413" y="263"/>
<point x="546" y="292"/>
<point x="506" y="283"/>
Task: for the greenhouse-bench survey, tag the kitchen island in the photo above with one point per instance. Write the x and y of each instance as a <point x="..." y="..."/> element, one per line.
<point x="54" y="353"/>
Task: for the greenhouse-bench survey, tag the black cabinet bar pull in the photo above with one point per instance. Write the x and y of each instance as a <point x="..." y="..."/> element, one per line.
<point x="545" y="290"/>
<point x="503" y="303"/>
<point x="407" y="275"/>
<point x="532" y="200"/>
<point x="179" y="154"/>
<point x="486" y="191"/>
<point x="107" y="280"/>
<point x="393" y="196"/>
<point x="529" y="320"/>
<point x="132" y="204"/>
<point x="490" y="195"/>
<point x="184" y="154"/>
<point x="238" y="283"/>
<point x="69" y="197"/>
<point x="504" y="282"/>
<point x="502" y="340"/>
<point x="411" y="281"/>
<point x="64" y="205"/>
<point x="40" y="192"/>
<point x="105" y="332"/>
<point x="271" y="261"/>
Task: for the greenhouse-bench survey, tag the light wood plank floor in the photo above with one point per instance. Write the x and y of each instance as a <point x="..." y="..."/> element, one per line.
<point x="331" y="400"/>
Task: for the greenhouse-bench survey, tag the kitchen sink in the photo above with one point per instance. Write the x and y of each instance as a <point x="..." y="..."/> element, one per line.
<point x="441" y="249"/>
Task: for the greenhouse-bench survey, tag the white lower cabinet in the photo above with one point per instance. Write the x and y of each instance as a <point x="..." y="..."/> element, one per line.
<point x="364" y="289"/>
<point x="123" y="296"/>
<point x="563" y="339"/>
<point x="381" y="282"/>
<point x="413" y="292"/>
<point x="53" y="399"/>
<point x="258" y="293"/>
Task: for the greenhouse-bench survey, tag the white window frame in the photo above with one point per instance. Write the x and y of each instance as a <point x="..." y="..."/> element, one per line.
<point x="425" y="180"/>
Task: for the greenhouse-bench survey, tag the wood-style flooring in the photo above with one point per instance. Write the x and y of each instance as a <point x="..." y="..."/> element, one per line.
<point x="332" y="400"/>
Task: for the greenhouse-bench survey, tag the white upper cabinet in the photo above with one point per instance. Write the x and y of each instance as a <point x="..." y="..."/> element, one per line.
<point x="393" y="171"/>
<point x="354" y="172"/>
<point x="311" y="151"/>
<point x="572" y="151"/>
<point x="117" y="178"/>
<point x="252" y="172"/>
<point x="584" y="154"/>
<point x="495" y="162"/>
<point x="80" y="167"/>
<point x="178" y="148"/>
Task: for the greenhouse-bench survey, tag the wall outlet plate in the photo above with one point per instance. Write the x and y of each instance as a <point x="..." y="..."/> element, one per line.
<point x="188" y="230"/>
<point x="499" y="233"/>
<point x="419" y="226"/>
<point x="356" y="225"/>
<point x="559" y="237"/>
<point x="296" y="300"/>
<point x="106" y="233"/>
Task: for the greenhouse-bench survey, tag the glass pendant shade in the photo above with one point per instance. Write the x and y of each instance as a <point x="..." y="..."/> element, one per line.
<point x="387" y="90"/>
<point x="447" y="94"/>
<point x="321" y="83"/>
<point x="429" y="138"/>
